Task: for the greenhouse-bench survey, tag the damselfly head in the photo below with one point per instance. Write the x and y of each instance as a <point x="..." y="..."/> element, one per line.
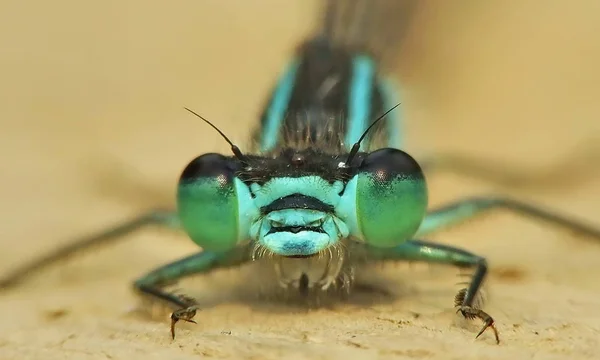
<point x="298" y="203"/>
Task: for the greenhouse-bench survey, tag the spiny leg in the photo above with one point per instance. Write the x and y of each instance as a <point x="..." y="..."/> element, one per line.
<point x="152" y="283"/>
<point x="463" y="210"/>
<point x="165" y="218"/>
<point x="429" y="252"/>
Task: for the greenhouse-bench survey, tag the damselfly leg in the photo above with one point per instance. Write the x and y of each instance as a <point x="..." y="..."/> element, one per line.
<point x="456" y="213"/>
<point x="429" y="252"/>
<point x="466" y="209"/>
<point x="152" y="284"/>
<point x="161" y="218"/>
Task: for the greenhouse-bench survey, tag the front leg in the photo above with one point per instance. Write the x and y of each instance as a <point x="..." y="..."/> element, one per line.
<point x="417" y="250"/>
<point x="152" y="283"/>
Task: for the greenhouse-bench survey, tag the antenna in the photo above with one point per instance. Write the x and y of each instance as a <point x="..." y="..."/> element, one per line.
<point x="236" y="150"/>
<point x="356" y="146"/>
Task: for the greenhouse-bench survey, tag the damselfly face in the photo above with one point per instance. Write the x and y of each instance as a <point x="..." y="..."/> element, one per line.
<point x="298" y="203"/>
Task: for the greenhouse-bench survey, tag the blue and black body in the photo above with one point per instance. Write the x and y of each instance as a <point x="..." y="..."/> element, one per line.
<point x="325" y="189"/>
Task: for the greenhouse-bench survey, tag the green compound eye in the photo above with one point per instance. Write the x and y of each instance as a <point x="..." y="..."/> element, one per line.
<point x="391" y="197"/>
<point x="207" y="202"/>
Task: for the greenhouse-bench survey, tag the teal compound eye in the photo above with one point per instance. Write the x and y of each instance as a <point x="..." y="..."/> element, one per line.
<point x="390" y="197"/>
<point x="207" y="202"/>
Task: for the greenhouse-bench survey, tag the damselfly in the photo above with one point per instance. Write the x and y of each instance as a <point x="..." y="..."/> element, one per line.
<point x="325" y="190"/>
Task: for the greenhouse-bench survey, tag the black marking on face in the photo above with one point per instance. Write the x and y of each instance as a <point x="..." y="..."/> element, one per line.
<point x="296" y="229"/>
<point x="297" y="201"/>
<point x="261" y="169"/>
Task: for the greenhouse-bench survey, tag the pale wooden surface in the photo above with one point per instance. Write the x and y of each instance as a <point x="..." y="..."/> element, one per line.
<point x="92" y="94"/>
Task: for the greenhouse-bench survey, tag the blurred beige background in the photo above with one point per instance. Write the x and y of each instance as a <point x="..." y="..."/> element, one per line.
<point x="93" y="131"/>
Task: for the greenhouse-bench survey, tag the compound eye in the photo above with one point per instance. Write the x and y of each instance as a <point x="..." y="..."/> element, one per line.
<point x="391" y="197"/>
<point x="215" y="166"/>
<point x="207" y="202"/>
<point x="388" y="165"/>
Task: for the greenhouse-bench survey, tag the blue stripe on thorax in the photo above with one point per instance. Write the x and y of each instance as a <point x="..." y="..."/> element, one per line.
<point x="277" y="108"/>
<point x="359" y="112"/>
<point x="363" y="72"/>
